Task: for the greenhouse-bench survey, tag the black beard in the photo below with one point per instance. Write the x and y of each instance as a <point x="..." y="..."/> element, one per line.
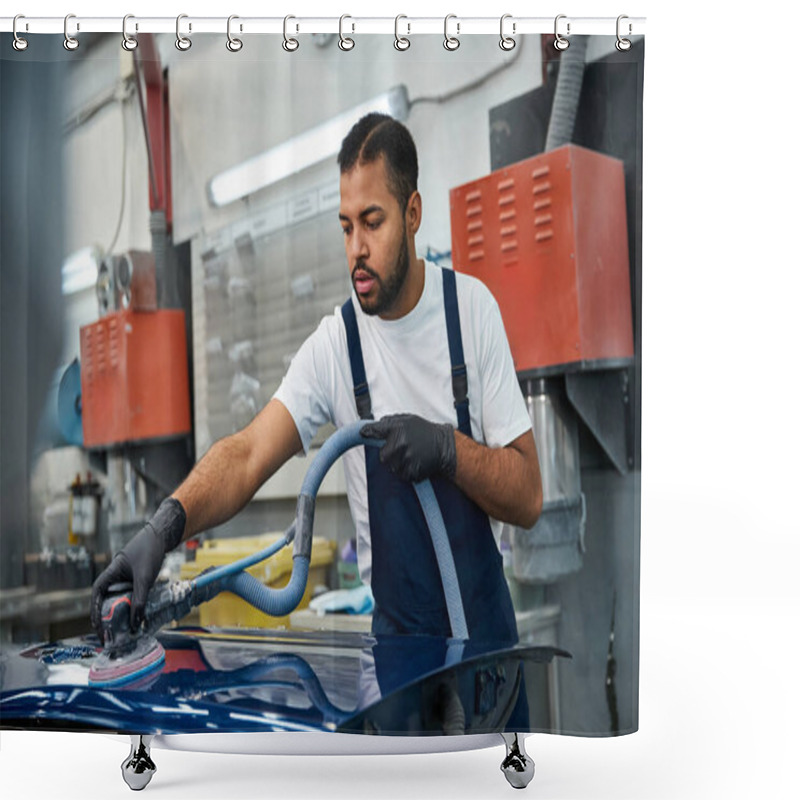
<point x="389" y="291"/>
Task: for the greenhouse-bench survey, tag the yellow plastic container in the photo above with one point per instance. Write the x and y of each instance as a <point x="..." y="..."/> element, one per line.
<point x="228" y="610"/>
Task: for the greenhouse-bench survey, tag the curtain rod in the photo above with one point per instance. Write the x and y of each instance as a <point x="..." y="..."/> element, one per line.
<point x="407" y="26"/>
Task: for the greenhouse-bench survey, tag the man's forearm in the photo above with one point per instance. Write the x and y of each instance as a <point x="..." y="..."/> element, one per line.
<point x="229" y="474"/>
<point x="217" y="488"/>
<point x="503" y="481"/>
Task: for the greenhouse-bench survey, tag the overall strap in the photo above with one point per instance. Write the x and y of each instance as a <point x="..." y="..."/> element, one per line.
<point x="457" y="365"/>
<point x="360" y="387"/>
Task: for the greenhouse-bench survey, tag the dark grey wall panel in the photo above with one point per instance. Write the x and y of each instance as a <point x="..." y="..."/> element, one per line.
<point x="30" y="274"/>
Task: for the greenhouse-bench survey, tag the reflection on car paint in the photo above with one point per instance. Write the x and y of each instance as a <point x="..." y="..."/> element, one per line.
<point x="248" y="680"/>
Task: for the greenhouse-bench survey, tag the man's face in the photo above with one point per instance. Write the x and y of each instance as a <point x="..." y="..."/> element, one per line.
<point x="375" y="238"/>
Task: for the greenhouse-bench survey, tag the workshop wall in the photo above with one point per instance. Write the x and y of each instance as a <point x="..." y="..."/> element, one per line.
<point x="210" y="136"/>
<point x="103" y="135"/>
<point x="226" y="108"/>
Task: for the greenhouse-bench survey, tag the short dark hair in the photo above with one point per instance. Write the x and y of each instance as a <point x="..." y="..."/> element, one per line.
<point x="376" y="135"/>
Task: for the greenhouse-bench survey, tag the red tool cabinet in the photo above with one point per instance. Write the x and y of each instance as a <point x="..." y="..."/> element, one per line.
<point x="548" y="236"/>
<point x="134" y="377"/>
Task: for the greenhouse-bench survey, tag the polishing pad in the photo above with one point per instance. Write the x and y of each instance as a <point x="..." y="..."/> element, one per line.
<point x="110" y="669"/>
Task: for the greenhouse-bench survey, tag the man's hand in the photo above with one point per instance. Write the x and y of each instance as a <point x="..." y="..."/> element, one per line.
<point x="140" y="561"/>
<point x="415" y="449"/>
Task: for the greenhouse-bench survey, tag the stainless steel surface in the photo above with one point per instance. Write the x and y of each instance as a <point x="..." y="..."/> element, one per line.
<point x="138" y="768"/>
<point x="127" y="501"/>
<point x="554" y="546"/>
<point x="517" y="766"/>
<point x="555" y="429"/>
<point x="320" y="743"/>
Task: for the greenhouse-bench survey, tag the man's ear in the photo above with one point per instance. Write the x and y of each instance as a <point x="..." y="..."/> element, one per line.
<point x="414" y="212"/>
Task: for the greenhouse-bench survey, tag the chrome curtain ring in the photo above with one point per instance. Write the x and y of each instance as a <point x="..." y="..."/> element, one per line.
<point x="129" y="42"/>
<point x="400" y="42"/>
<point x="70" y="42"/>
<point x="288" y="44"/>
<point x="345" y="42"/>
<point x="233" y="44"/>
<point x="561" y="43"/>
<point x="623" y="44"/>
<point x="182" y="42"/>
<point x="19" y="44"/>
<point x="451" y="42"/>
<point x="506" y="42"/>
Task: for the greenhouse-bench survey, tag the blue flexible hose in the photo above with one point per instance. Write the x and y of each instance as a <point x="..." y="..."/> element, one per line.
<point x="230" y="570"/>
<point x="280" y="602"/>
<point x="444" y="557"/>
<point x="275" y="602"/>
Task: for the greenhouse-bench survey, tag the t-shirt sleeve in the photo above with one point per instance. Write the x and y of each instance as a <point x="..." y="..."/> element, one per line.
<point x="305" y="389"/>
<point x="505" y="415"/>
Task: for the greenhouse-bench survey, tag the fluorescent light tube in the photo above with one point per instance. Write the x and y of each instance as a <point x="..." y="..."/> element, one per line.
<point x="79" y="271"/>
<point x="300" y="152"/>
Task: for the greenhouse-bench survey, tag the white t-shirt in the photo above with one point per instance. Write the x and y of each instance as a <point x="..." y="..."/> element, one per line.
<point x="407" y="362"/>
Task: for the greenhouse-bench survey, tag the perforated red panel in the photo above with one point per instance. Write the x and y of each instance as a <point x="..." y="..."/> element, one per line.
<point x="134" y="377"/>
<point x="548" y="236"/>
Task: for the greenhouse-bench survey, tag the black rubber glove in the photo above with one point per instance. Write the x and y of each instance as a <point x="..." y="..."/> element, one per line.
<point x="140" y="561"/>
<point x="415" y="449"/>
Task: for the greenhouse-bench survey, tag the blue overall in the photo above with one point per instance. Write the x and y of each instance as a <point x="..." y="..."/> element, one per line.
<point x="409" y="598"/>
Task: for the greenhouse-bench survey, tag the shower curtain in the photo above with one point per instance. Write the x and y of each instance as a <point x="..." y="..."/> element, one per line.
<point x="197" y="189"/>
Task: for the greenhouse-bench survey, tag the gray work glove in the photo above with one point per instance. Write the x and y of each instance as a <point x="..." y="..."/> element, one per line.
<point x="415" y="449"/>
<point x="140" y="561"/>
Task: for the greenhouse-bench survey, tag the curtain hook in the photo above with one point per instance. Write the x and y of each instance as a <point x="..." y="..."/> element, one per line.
<point x="182" y="42"/>
<point x="623" y="44"/>
<point x="400" y="42"/>
<point x="289" y="44"/>
<point x="70" y="42"/>
<point x="507" y="42"/>
<point x="451" y="42"/>
<point x="129" y="42"/>
<point x="233" y="44"/>
<point x="345" y="42"/>
<point x="561" y="43"/>
<point x="19" y="44"/>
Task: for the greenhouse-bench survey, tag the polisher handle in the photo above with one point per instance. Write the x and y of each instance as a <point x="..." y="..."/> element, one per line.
<point x="115" y="619"/>
<point x="165" y="603"/>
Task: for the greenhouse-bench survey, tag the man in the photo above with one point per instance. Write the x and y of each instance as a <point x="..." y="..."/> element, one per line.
<point x="431" y="363"/>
